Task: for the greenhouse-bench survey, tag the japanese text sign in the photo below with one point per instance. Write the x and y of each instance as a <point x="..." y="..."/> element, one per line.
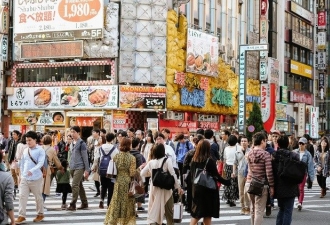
<point x="322" y="20"/>
<point x="61" y="19"/>
<point x="301" y="119"/>
<point x="314" y="116"/>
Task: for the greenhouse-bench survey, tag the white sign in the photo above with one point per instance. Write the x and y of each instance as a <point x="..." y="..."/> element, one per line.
<point x="314" y="116"/>
<point x="301" y="11"/>
<point x="4" y="48"/>
<point x="321" y="60"/>
<point x="321" y="40"/>
<point x="202" y="53"/>
<point x="265" y="101"/>
<point x="45" y="16"/>
<point x="301" y="119"/>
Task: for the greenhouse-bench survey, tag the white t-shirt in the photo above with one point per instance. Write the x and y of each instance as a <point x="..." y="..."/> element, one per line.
<point x="229" y="154"/>
<point x="170" y="153"/>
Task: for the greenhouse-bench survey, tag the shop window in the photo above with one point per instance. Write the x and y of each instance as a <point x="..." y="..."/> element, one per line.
<point x="295" y="54"/>
<point x="289" y="81"/>
<point x="70" y="73"/>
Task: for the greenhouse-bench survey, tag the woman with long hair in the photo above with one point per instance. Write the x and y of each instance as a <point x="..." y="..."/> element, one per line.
<point x="322" y="162"/>
<point x="122" y="207"/>
<point x="146" y="150"/>
<point x="19" y="153"/>
<point x="205" y="202"/>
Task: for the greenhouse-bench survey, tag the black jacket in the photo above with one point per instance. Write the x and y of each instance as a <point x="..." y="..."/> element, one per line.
<point x="283" y="189"/>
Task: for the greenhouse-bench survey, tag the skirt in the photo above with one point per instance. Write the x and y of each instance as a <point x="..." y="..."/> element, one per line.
<point x="63" y="188"/>
<point x="231" y="192"/>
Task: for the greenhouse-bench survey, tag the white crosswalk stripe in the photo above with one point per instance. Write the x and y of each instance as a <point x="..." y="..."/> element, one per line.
<point x="94" y="215"/>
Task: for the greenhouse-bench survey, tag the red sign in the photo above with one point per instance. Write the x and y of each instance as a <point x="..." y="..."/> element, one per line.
<point x="85" y="121"/>
<point x="322" y="19"/>
<point x="263" y="7"/>
<point x="209" y="125"/>
<point x="119" y="120"/>
<point x="301" y="97"/>
<point x="176" y="123"/>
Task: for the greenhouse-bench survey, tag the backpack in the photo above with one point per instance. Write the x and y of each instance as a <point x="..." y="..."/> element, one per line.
<point x="104" y="162"/>
<point x="290" y="170"/>
<point x="178" y="145"/>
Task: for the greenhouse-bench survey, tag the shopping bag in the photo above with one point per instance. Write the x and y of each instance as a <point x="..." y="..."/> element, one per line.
<point x="178" y="212"/>
<point x="112" y="169"/>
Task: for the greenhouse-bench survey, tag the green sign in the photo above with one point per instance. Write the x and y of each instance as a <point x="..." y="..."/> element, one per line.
<point x="222" y="97"/>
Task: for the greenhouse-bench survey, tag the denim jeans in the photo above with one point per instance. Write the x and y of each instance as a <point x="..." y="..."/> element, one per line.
<point x="284" y="216"/>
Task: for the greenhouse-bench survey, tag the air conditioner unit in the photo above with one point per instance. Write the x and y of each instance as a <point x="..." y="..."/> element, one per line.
<point x="232" y="63"/>
<point x="222" y="49"/>
<point x="169" y="115"/>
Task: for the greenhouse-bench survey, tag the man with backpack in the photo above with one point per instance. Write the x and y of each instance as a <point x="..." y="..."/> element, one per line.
<point x="107" y="152"/>
<point x="182" y="148"/>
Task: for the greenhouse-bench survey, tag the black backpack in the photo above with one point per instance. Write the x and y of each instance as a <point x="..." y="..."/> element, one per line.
<point x="161" y="179"/>
<point x="290" y="170"/>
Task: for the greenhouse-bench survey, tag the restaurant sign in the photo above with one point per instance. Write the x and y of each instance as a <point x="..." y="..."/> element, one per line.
<point x="66" y="97"/>
<point x="38" y="118"/>
<point x="202" y="53"/>
<point x="58" y="20"/>
<point x="142" y="97"/>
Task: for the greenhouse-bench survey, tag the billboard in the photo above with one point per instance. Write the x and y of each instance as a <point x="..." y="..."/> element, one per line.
<point x="58" y="20"/>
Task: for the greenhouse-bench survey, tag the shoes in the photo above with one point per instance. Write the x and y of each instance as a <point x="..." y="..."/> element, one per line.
<point x="20" y="220"/>
<point x="242" y="211"/>
<point x="268" y="210"/>
<point x="72" y="207"/>
<point x="97" y="194"/>
<point x="247" y="211"/>
<point x="147" y="195"/>
<point x="83" y="206"/>
<point x="228" y="202"/>
<point x="232" y="204"/>
<point x="39" y="218"/>
<point x="299" y="206"/>
<point x="101" y="206"/>
<point x="323" y="193"/>
<point x="63" y="207"/>
<point x="140" y="209"/>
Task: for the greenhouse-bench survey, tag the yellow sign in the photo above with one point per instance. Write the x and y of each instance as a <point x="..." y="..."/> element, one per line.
<point x="300" y="69"/>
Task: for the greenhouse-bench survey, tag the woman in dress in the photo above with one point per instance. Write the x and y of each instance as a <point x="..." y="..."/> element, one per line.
<point x="322" y="161"/>
<point x="146" y="149"/>
<point x="122" y="207"/>
<point x="160" y="200"/>
<point x="205" y="202"/>
<point x="18" y="156"/>
<point x="231" y="192"/>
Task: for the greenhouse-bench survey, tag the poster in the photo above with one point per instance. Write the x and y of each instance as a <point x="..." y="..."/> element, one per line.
<point x="119" y="120"/>
<point x="78" y="97"/>
<point x="60" y="20"/>
<point x="142" y="97"/>
<point x="202" y="53"/>
<point x="38" y="118"/>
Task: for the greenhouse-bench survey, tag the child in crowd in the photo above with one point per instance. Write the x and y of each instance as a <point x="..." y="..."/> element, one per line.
<point x="63" y="183"/>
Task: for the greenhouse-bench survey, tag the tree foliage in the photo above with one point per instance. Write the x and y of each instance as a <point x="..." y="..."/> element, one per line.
<point x="254" y="119"/>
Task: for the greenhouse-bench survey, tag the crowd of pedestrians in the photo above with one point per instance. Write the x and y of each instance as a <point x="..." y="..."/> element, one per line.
<point x="35" y="161"/>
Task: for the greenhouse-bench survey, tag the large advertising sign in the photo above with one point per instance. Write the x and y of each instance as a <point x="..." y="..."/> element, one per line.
<point x="38" y="118"/>
<point x="202" y="53"/>
<point x="58" y="20"/>
<point x="77" y="97"/>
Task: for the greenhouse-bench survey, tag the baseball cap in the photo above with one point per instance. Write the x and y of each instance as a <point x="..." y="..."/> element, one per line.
<point x="302" y="140"/>
<point x="276" y="132"/>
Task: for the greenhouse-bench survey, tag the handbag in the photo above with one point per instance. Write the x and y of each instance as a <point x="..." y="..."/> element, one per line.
<point x="292" y="171"/>
<point x="135" y="189"/>
<point x="178" y="211"/>
<point x="256" y="186"/>
<point x="162" y="179"/>
<point x="112" y="169"/>
<point x="202" y="178"/>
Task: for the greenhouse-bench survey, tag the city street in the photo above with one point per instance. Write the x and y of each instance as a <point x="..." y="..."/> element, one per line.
<point x="315" y="211"/>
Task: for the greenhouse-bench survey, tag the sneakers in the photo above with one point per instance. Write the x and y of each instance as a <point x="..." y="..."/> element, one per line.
<point x="20" y="220"/>
<point x="268" y="210"/>
<point x="101" y="206"/>
<point x="232" y="204"/>
<point x="140" y="209"/>
<point x="242" y="211"/>
<point x="63" y="206"/>
<point x="39" y="218"/>
<point x="247" y="211"/>
<point x="299" y="206"/>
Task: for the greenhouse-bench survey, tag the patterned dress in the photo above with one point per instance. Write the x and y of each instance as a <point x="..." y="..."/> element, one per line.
<point x="121" y="210"/>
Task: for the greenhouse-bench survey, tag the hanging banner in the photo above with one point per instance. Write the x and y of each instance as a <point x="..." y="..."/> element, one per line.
<point x="321" y="40"/>
<point x="321" y="85"/>
<point x="268" y="100"/>
<point x="263" y="7"/>
<point x="4" y="48"/>
<point x="322" y="20"/>
<point x="321" y="60"/>
<point x="314" y="116"/>
<point x="4" y="15"/>
<point x="301" y="119"/>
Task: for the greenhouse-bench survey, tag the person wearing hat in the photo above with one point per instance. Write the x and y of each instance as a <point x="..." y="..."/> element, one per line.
<point x="275" y="135"/>
<point x="306" y="157"/>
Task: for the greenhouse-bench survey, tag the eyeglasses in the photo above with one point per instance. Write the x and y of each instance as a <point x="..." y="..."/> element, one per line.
<point x="300" y="143"/>
<point x="275" y="136"/>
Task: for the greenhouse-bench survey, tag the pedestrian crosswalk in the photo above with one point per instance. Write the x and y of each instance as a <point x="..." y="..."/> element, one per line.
<point x="94" y="215"/>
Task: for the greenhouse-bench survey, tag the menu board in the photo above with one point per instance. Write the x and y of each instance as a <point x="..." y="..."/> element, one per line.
<point x="38" y="118"/>
<point x="78" y="97"/>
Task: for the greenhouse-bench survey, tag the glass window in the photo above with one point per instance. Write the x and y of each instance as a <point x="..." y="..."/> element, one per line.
<point x="303" y="28"/>
<point x="287" y="50"/>
<point x="70" y="73"/>
<point x="303" y="56"/>
<point x="274" y="19"/>
<point x="295" y="24"/>
<point x="194" y="4"/>
<point x="310" y="59"/>
<point x="274" y="45"/>
<point x="295" y="53"/>
<point x="297" y="83"/>
<point x="287" y="20"/>
<point x="304" y="84"/>
<point x="289" y="81"/>
<point x="207" y="15"/>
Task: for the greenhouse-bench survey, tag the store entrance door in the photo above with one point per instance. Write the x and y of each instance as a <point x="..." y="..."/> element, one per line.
<point x="86" y="132"/>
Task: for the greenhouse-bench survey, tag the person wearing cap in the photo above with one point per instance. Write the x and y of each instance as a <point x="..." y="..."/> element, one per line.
<point x="275" y="135"/>
<point x="322" y="165"/>
<point x="306" y="157"/>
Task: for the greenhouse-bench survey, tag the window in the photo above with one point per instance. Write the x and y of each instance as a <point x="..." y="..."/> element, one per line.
<point x="288" y="20"/>
<point x="287" y="50"/>
<point x="310" y="58"/>
<point x="303" y="28"/>
<point x="295" y="24"/>
<point x="289" y="81"/>
<point x="70" y="73"/>
<point x="295" y="55"/>
<point x="274" y="45"/>
<point x="274" y="15"/>
<point x="297" y="83"/>
<point x="303" y="56"/>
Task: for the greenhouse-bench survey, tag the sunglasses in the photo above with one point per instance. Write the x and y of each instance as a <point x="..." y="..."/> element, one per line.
<point x="300" y="143"/>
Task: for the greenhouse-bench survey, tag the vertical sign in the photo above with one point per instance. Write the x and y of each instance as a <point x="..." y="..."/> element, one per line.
<point x="301" y="119"/>
<point x="265" y="101"/>
<point x="242" y="82"/>
<point x="4" y="48"/>
<point x="321" y="60"/>
<point x="314" y="116"/>
<point x="263" y="36"/>
<point x="321" y="40"/>
<point x="321" y="85"/>
<point x="321" y="20"/>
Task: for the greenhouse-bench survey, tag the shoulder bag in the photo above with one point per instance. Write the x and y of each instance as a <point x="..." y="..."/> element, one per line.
<point x="135" y="189"/>
<point x="161" y="179"/>
<point x="43" y="168"/>
<point x="256" y="186"/>
<point x="202" y="178"/>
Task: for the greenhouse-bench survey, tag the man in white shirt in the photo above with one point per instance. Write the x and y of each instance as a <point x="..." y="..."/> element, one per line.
<point x="160" y="139"/>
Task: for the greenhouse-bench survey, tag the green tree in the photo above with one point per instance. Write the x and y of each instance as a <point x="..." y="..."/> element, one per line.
<point x="255" y="119"/>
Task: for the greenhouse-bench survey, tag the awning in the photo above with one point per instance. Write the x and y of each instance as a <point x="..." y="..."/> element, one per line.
<point x="85" y="114"/>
